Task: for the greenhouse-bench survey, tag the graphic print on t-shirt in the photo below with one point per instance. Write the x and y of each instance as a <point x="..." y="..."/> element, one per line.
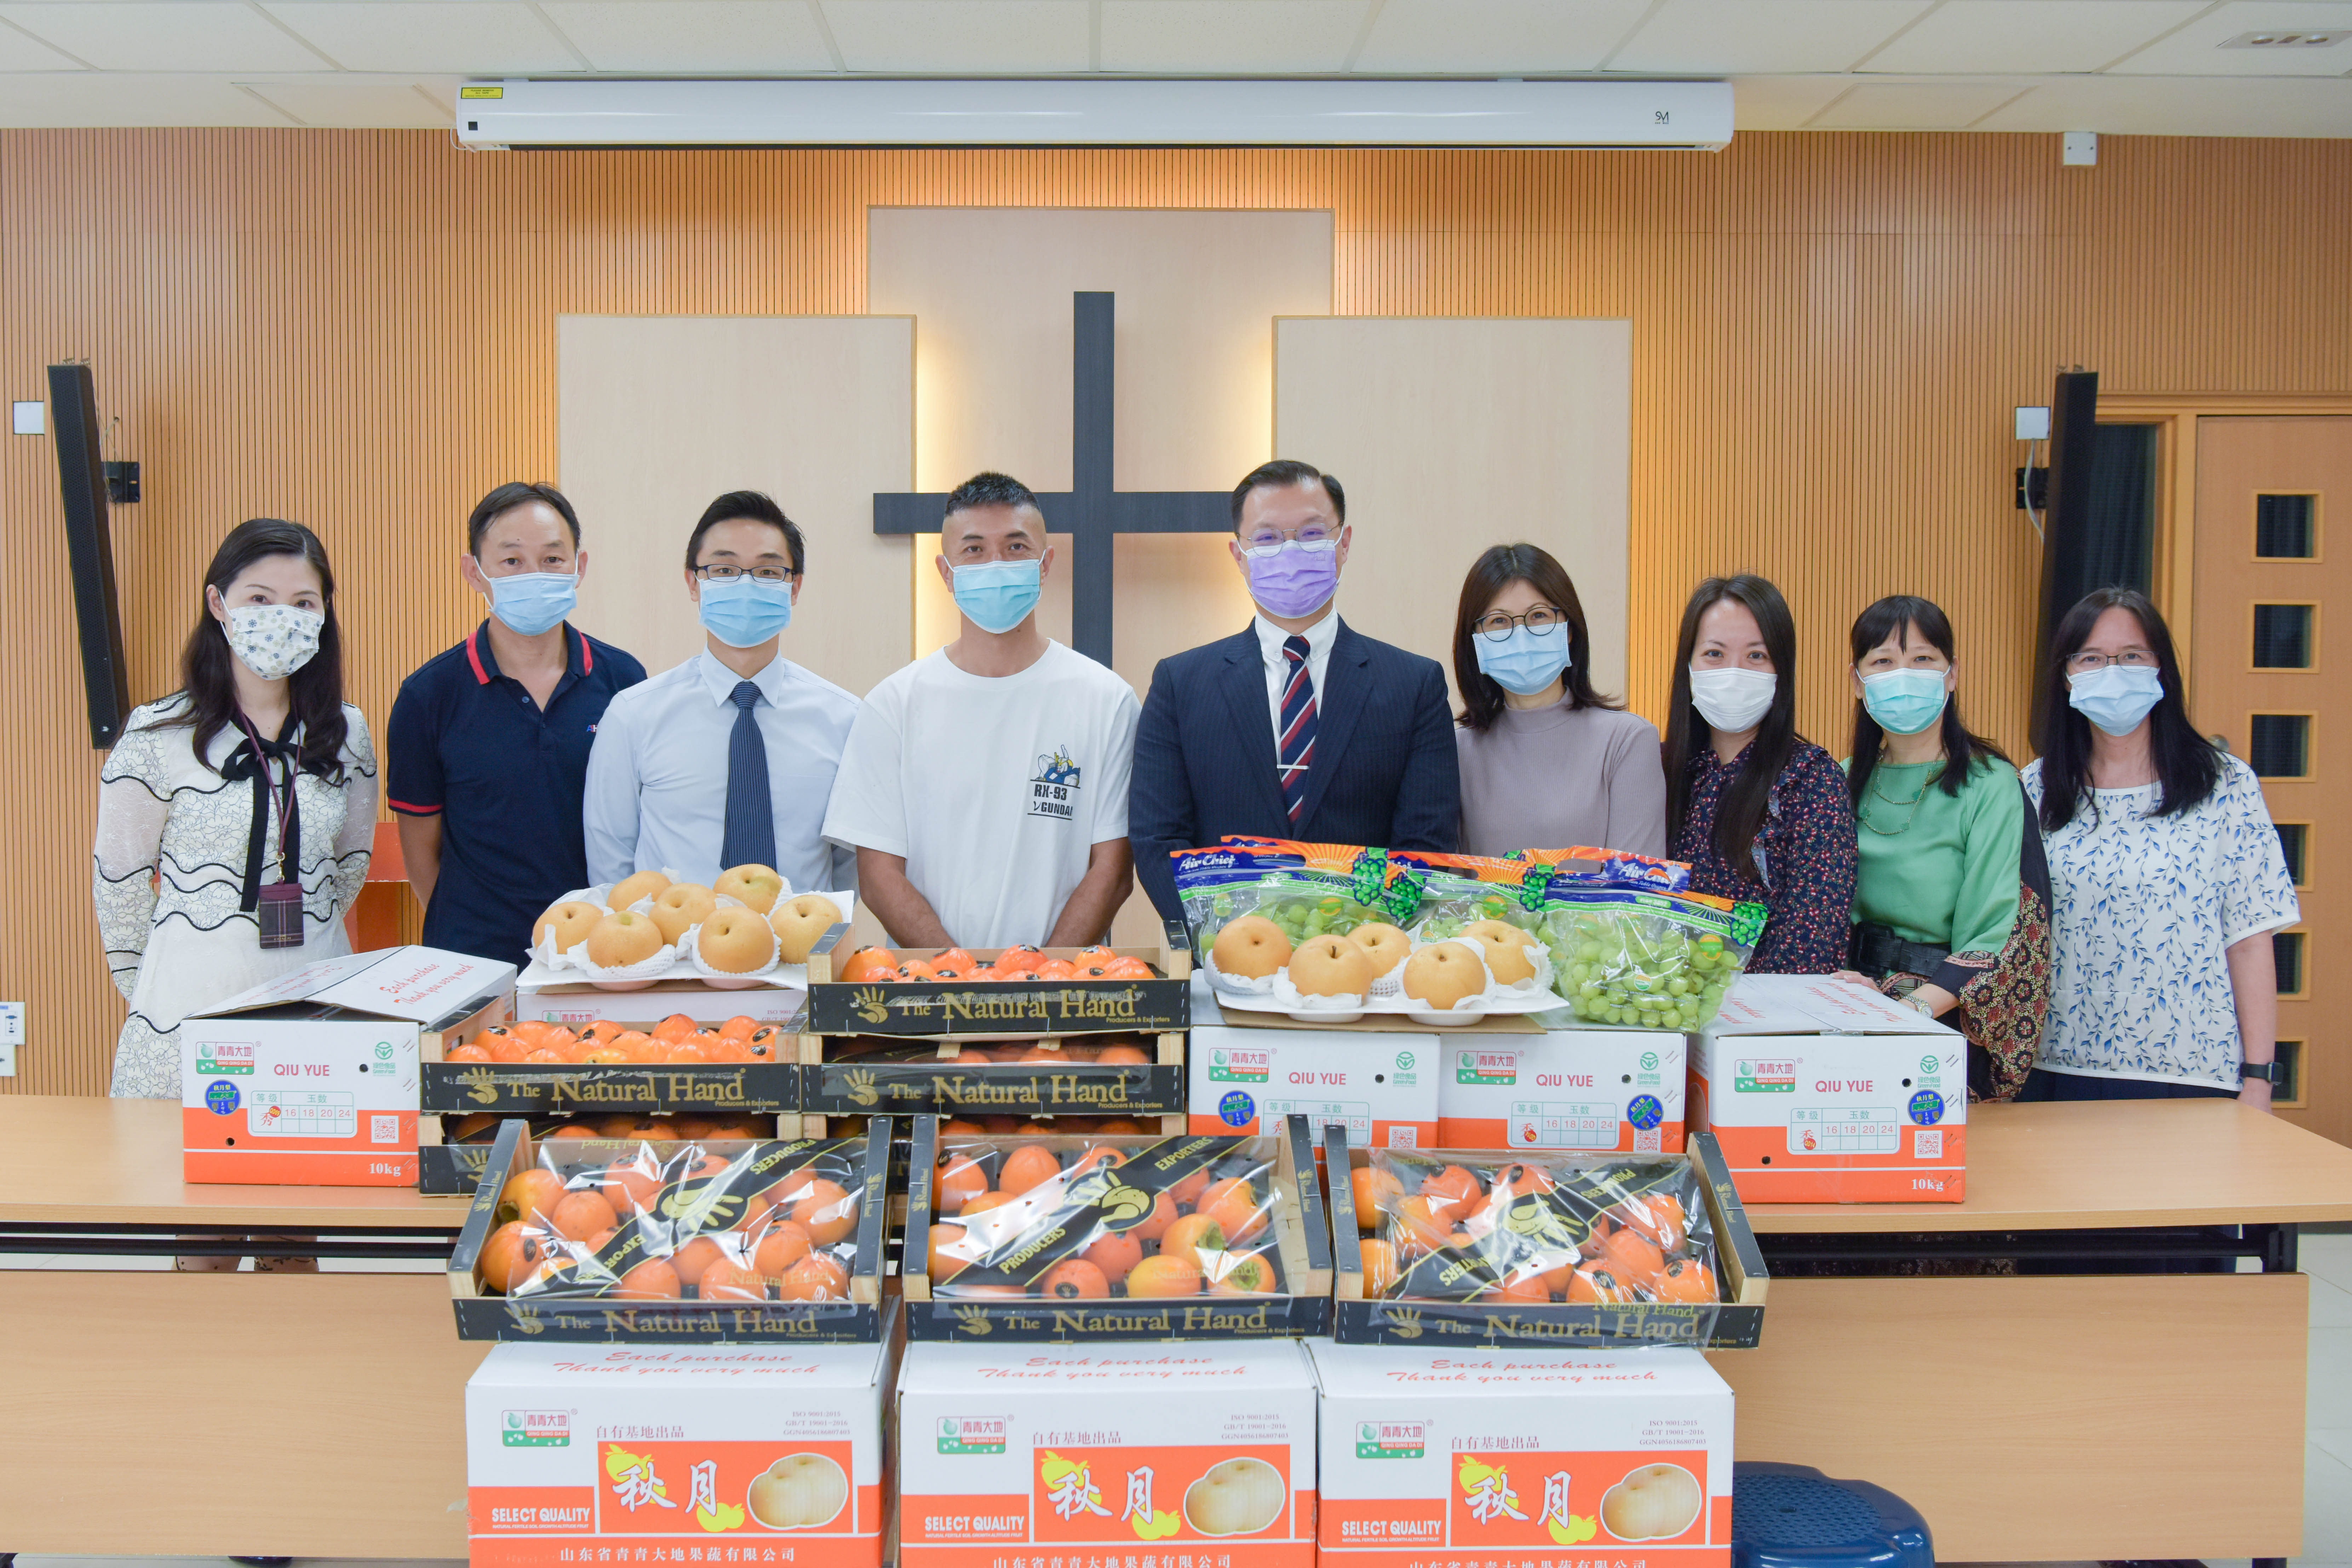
<point x="1053" y="787"/>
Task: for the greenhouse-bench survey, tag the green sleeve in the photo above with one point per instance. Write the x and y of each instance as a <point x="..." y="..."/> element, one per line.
<point x="1986" y="906"/>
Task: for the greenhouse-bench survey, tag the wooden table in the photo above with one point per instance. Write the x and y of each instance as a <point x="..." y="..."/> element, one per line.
<point x="2029" y="1417"/>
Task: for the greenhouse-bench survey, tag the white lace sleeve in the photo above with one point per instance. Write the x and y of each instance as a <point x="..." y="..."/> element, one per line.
<point x="133" y="800"/>
<point x="356" y="845"/>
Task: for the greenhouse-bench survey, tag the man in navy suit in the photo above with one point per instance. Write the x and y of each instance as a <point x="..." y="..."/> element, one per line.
<point x="1298" y="727"/>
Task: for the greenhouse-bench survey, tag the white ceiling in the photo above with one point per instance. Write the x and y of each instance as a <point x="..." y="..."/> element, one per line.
<point x="2124" y="67"/>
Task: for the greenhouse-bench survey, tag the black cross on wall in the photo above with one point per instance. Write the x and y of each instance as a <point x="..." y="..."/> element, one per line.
<point x="1092" y="514"/>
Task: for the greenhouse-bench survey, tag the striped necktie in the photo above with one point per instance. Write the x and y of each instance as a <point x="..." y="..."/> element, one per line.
<point x="1296" y="740"/>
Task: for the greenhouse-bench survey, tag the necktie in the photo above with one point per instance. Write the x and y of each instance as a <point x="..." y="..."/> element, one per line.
<point x="1295" y="747"/>
<point x="750" y="834"/>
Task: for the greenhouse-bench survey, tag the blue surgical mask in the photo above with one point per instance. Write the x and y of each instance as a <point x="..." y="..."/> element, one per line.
<point x="530" y="603"/>
<point x="997" y="596"/>
<point x="744" y="612"/>
<point x="2117" y="696"/>
<point x="1903" y="702"/>
<point x="1527" y="661"/>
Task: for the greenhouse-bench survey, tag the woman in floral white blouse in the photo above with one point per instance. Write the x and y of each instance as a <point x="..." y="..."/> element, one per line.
<point x="2167" y="877"/>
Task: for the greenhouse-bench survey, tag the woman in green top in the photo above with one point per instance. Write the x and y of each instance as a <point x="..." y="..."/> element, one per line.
<point x="1951" y="906"/>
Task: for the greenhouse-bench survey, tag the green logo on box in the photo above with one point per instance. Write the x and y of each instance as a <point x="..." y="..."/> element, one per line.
<point x="224" y="1061"/>
<point x="1760" y="1076"/>
<point x="1391" y="1439"/>
<point x="1477" y="1068"/>
<point x="536" y="1430"/>
<point x="1229" y="1066"/>
<point x="963" y="1435"/>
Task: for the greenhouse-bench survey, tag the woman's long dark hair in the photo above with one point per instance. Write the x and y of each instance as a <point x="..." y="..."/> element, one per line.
<point x="1895" y="617"/>
<point x="314" y="692"/>
<point x="1503" y="565"/>
<point x="1741" y="814"/>
<point x="2186" y="765"/>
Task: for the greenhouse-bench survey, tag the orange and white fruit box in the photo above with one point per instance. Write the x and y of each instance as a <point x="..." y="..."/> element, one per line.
<point x="1538" y="1459"/>
<point x="311" y="1080"/>
<point x="1819" y="1090"/>
<point x="1382" y="1088"/>
<point x="597" y="1453"/>
<point x="1202" y="1453"/>
<point x="1564" y="1092"/>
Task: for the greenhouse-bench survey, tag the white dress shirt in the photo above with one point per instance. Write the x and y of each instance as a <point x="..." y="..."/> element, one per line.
<point x="1270" y="638"/>
<point x="656" y="794"/>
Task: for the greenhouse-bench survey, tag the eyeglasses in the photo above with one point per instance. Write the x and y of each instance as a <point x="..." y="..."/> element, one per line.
<point x="1271" y="538"/>
<point x="2084" y="663"/>
<point x="730" y="573"/>
<point x="1494" y="625"/>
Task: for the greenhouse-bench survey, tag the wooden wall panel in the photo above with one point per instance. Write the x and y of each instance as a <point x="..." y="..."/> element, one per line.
<point x="358" y="329"/>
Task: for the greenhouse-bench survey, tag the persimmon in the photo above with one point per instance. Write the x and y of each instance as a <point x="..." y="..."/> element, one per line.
<point x="722" y="1050"/>
<point x="502" y="1043"/>
<point x="604" y="1029"/>
<point x="652" y="1280"/>
<point x="530" y="1192"/>
<point x="1451" y="1193"/>
<point x="574" y="1130"/>
<point x="950" y="1257"/>
<point x="1115" y="1253"/>
<point x="1375" y="1189"/>
<point x="1528" y="1289"/>
<point x="606" y="1056"/>
<point x="953" y="958"/>
<point x="766" y="1043"/>
<point x="917" y="969"/>
<point x="1163" y="1276"/>
<point x="512" y="1254"/>
<point x="1044" y="1053"/>
<point x="530" y="1030"/>
<point x="1123" y="1056"/>
<point x="1099" y="1154"/>
<point x="1095" y="954"/>
<point x="467" y="1053"/>
<point x="816" y="1277"/>
<point x="1380" y="1268"/>
<point x="960" y="1127"/>
<point x="1127" y="969"/>
<point x="1028" y="1166"/>
<point x="1056" y="969"/>
<point x="1656" y="1215"/>
<point x="674" y="1028"/>
<point x="868" y="963"/>
<point x="1119" y="1127"/>
<point x="1074" y="1280"/>
<point x="1632" y="1256"/>
<point x="1423" y="1230"/>
<point x="696" y="1255"/>
<point x="557" y="1038"/>
<point x="1686" y="1279"/>
<point x="983" y="1203"/>
<point x="1598" y="1286"/>
<point x="731" y="1281"/>
<point x="582" y="1214"/>
<point x="783" y="1245"/>
<point x="959" y="1180"/>
<point x="969" y="1057"/>
<point x="547" y="1056"/>
<point x="1188" y="1192"/>
<point x="825" y="1211"/>
<point x="630" y="1188"/>
<point x="1192" y="1236"/>
<point x="1154" y="1226"/>
<point x="1235" y="1206"/>
<point x="1241" y="1274"/>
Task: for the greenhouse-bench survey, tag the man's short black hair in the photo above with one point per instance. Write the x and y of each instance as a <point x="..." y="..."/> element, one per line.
<point x="508" y="497"/>
<point x="1283" y="472"/>
<point x="991" y="489"/>
<point x="758" y="508"/>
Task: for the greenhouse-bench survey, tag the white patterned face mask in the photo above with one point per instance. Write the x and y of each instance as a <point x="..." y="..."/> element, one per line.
<point x="273" y="640"/>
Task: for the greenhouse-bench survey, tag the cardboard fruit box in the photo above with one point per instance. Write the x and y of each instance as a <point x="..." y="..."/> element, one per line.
<point x="1294" y="1240"/>
<point x="483" y="1314"/>
<point x="451" y="1167"/>
<point x="523" y="1088"/>
<point x="1001" y="1009"/>
<point x="1382" y="1088"/>
<point x="1735" y="1322"/>
<point x="1568" y="1090"/>
<point x="864" y="1074"/>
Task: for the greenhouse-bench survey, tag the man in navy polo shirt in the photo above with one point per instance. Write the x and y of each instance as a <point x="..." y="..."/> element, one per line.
<point x="489" y="740"/>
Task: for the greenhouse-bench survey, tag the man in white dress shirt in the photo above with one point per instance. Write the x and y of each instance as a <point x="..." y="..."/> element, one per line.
<point x="985" y="788"/>
<point x="729" y="757"/>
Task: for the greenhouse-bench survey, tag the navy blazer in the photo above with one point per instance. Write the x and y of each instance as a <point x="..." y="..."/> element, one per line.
<point x="1384" y="770"/>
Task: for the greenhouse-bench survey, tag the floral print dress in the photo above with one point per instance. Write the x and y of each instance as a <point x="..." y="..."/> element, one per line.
<point x="168" y="876"/>
<point x="2145" y="910"/>
<point x="1804" y="853"/>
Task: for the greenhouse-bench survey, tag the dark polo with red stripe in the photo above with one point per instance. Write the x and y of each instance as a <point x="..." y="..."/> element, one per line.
<point x="468" y="743"/>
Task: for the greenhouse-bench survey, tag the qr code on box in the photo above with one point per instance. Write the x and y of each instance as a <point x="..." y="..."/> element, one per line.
<point x="1927" y="1145"/>
<point x="1404" y="1137"/>
<point x="383" y="1129"/>
<point x="1646" y="1141"/>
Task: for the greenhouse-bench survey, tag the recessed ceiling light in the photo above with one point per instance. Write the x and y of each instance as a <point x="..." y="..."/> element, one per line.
<point x="2286" y="40"/>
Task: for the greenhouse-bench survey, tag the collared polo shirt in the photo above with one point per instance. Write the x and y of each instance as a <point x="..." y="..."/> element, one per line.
<point x="468" y="743"/>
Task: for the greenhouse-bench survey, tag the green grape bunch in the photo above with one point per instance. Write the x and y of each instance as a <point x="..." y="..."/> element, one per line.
<point x="1627" y="967"/>
<point x="1306" y="916"/>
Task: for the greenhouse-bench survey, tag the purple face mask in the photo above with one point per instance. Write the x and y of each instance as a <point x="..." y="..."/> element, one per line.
<point x="1293" y="578"/>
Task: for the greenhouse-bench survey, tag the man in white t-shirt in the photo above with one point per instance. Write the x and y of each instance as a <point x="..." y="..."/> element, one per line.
<point x="985" y="788"/>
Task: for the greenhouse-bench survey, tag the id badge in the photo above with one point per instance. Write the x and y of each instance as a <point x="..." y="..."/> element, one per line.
<point x="280" y="911"/>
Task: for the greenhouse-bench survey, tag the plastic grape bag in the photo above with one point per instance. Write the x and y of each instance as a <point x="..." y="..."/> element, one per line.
<point x="1657" y="960"/>
<point x="741" y="1222"/>
<point x="1308" y="891"/>
<point x="1071" y="1219"/>
<point x="1504" y="1228"/>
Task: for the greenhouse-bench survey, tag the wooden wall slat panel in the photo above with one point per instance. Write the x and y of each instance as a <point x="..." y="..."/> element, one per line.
<point x="357" y="329"/>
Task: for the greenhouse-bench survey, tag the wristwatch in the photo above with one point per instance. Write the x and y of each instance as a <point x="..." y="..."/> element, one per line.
<point x="1919" y="1003"/>
<point x="2266" y="1071"/>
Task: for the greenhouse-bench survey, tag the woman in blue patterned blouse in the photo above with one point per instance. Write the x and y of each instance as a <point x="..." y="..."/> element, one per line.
<point x="1758" y="811"/>
<point x="2167" y="877"/>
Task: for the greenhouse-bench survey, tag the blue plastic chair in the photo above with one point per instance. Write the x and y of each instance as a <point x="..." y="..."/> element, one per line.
<point x="1792" y="1516"/>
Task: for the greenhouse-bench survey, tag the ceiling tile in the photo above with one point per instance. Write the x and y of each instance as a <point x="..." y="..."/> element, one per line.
<point x="1914" y="106"/>
<point x="465" y="35"/>
<point x="960" y="35"/>
<point x="357" y="105"/>
<point x="20" y="53"/>
<point x="182" y="35"/>
<point x="693" y="35"/>
<point x="2195" y="50"/>
<point x="1782" y="103"/>
<point x="1754" y="37"/>
<point x="2151" y="106"/>
<point x="1229" y="35"/>
<point x="92" y="98"/>
<point x="1502" y="36"/>
<point x="2027" y="37"/>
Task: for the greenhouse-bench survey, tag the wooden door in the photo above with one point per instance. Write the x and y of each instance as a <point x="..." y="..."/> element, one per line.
<point x="2267" y="675"/>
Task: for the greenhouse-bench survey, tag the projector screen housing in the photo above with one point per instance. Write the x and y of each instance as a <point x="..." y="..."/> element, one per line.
<point x="1092" y="113"/>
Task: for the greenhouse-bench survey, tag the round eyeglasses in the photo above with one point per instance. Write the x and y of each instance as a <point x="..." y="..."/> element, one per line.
<point x="1494" y="625"/>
